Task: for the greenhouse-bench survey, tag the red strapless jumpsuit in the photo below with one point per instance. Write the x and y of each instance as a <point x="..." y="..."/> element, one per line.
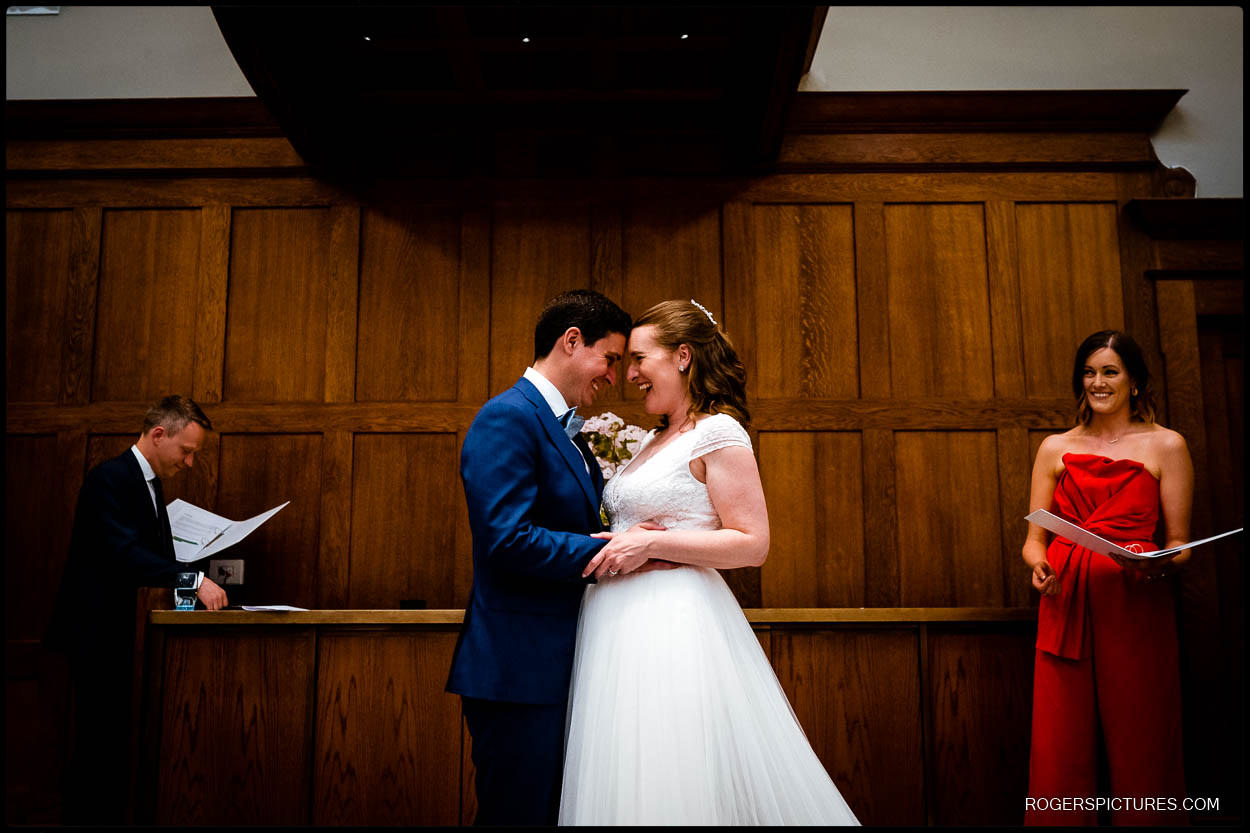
<point x="1106" y="657"/>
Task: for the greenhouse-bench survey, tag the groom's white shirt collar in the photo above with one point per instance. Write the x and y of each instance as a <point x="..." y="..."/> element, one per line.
<point x="148" y="475"/>
<point x="554" y="399"/>
<point x="552" y="395"/>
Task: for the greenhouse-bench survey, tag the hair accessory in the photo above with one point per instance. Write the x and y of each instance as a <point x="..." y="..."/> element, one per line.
<point x="705" y="312"/>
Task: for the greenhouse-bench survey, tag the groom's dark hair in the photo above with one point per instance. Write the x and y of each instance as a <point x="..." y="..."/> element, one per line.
<point x="589" y="311"/>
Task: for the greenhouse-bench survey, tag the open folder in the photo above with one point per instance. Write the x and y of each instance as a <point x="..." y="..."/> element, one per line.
<point x="199" y="533"/>
<point x="1085" y="538"/>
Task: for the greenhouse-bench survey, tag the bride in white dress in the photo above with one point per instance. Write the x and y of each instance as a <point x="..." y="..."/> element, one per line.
<point x="675" y="714"/>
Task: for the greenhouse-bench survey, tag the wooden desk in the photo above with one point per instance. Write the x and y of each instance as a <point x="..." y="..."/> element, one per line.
<point x="338" y="717"/>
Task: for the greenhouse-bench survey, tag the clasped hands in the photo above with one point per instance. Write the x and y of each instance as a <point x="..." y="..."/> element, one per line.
<point x="627" y="552"/>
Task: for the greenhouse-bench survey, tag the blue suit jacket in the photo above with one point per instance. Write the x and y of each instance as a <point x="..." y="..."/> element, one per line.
<point x="532" y="506"/>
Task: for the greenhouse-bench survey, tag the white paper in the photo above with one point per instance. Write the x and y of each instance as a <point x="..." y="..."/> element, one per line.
<point x="272" y="607"/>
<point x="199" y="533"/>
<point x="1083" y="537"/>
<point x="193" y="528"/>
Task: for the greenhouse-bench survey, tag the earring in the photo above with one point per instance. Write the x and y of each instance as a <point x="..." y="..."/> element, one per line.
<point x="682" y="368"/>
<point x="1133" y="392"/>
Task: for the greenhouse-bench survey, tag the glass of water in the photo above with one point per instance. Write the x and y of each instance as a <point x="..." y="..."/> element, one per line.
<point x="184" y="591"/>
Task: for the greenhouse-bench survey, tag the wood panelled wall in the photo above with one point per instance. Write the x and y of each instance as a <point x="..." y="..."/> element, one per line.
<point x="903" y="337"/>
<point x="907" y="329"/>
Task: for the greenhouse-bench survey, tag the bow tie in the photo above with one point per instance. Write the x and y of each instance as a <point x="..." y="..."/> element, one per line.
<point x="571" y="422"/>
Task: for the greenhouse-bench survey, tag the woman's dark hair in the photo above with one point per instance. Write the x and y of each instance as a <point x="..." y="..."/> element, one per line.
<point x="716" y="376"/>
<point x="1141" y="397"/>
<point x="589" y="311"/>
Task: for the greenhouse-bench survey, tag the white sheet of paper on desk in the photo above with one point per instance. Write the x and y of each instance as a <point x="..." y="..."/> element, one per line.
<point x="199" y="533"/>
<point x="1083" y="537"/>
<point x="272" y="607"/>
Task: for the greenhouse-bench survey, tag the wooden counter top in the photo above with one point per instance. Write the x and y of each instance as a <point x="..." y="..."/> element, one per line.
<point x="757" y="616"/>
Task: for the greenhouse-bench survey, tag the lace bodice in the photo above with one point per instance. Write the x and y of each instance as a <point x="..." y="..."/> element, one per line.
<point x="662" y="489"/>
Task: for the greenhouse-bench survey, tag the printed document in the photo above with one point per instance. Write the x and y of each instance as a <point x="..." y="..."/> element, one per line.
<point x="1085" y="538"/>
<point x="199" y="533"/>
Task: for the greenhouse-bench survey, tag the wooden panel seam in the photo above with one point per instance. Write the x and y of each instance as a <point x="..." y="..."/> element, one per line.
<point x="1013" y="470"/>
<point x="473" y="366"/>
<point x="1004" y="291"/>
<point x="210" y="331"/>
<point x="926" y="719"/>
<point x="881" y="554"/>
<point x="1140" y="310"/>
<point x="342" y="299"/>
<point x="314" y="682"/>
<point x="80" y="305"/>
<point x="737" y="247"/>
<point x="334" y="550"/>
<point x="872" y="299"/>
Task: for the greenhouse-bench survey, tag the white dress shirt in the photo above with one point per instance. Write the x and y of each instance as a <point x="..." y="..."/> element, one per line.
<point x="555" y="400"/>
<point x="148" y="477"/>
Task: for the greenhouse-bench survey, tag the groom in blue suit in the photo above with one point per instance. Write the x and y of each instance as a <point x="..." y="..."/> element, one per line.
<point x="533" y="488"/>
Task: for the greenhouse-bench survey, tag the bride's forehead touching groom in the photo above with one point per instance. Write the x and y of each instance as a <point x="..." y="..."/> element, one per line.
<point x="533" y="490"/>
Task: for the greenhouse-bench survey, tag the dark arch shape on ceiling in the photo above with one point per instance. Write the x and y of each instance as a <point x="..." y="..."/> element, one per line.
<point x="527" y="90"/>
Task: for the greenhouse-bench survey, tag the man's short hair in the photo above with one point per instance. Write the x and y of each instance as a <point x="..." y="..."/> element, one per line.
<point x="589" y="311"/>
<point x="173" y="413"/>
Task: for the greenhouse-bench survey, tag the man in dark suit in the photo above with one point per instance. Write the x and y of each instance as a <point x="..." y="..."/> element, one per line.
<point x="121" y="541"/>
<point x="533" y="488"/>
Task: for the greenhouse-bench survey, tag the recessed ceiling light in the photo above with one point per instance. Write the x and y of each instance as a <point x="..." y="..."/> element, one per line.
<point x="525" y="40"/>
<point x="368" y="38"/>
<point x="684" y="37"/>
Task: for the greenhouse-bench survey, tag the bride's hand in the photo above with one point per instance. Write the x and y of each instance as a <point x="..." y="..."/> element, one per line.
<point x="625" y="551"/>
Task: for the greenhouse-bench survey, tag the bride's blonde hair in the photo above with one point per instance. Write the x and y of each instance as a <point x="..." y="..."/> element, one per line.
<point x="715" y="377"/>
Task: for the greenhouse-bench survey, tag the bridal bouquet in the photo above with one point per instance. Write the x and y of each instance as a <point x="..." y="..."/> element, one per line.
<point x="612" y="441"/>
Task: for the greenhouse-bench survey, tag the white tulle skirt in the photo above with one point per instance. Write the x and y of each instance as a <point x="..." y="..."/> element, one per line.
<point x="677" y="718"/>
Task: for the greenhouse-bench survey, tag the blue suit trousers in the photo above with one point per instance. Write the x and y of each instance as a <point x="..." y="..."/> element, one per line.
<point x="516" y="789"/>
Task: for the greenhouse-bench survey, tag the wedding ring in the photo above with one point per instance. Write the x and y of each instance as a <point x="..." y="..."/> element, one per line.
<point x="612" y="572"/>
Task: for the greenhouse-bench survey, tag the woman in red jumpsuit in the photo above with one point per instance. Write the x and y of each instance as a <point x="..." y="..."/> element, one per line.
<point x="1106" y="631"/>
